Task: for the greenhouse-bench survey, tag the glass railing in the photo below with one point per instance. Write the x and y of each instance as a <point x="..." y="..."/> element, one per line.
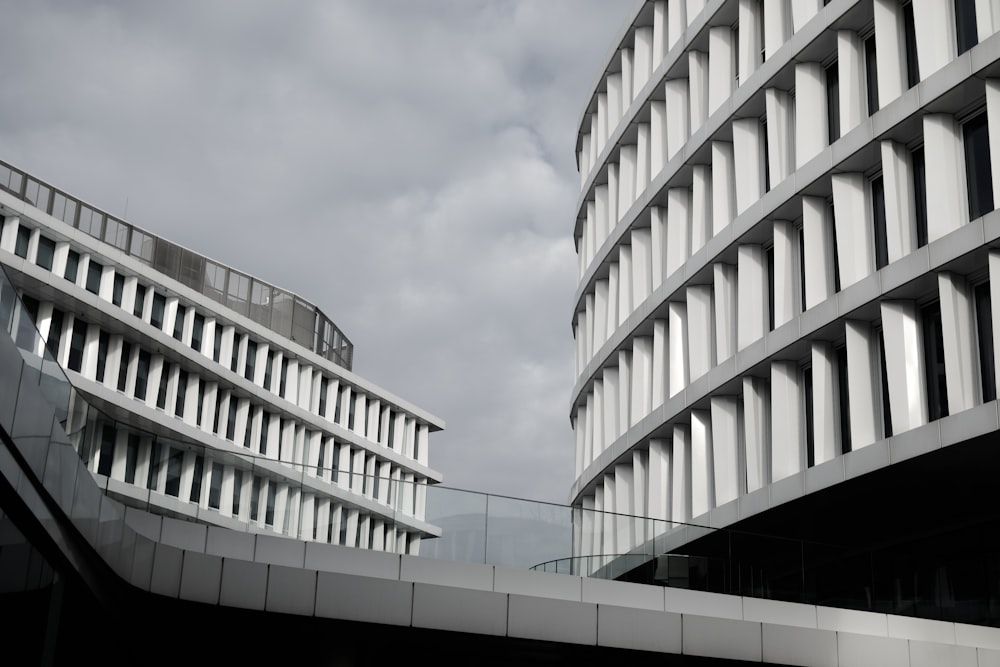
<point x="279" y="310"/>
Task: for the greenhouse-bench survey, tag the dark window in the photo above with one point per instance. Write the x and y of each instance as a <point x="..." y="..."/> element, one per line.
<point x="984" y="328"/>
<point x="321" y="458"/>
<point x="199" y="472"/>
<point x="123" y="365"/>
<point x="884" y="382"/>
<point x="231" y="422"/>
<point x="159" y="305"/>
<point x="218" y="343"/>
<point x="161" y="393"/>
<point x="237" y="488"/>
<point x="179" y="322"/>
<point x="265" y="424"/>
<point x="55" y="333"/>
<point x="871" y="74"/>
<point x="235" y="358"/>
<point x="174" y="465"/>
<point x="218" y="408"/>
<point x="267" y="369"/>
<point x="153" y="476"/>
<point x="118" y="289"/>
<point x="802" y="268"/>
<point x="269" y="512"/>
<point x="284" y="376"/>
<point x="94" y="271"/>
<point x="965" y="24"/>
<point x="251" y="364"/>
<point x="920" y="195"/>
<point x="977" y="166"/>
<point x="21" y="242"/>
<point x="215" y="488"/>
<point x="131" y="457"/>
<point x="46" y="253"/>
<point x="182" y="383"/>
<point x="254" y="497"/>
<point x="769" y="256"/>
<point x="937" y="388"/>
<point x="72" y="266"/>
<point x="201" y="400"/>
<point x="807" y="392"/>
<point x="142" y="375"/>
<point x="765" y="155"/>
<point x="350" y="414"/>
<point x="336" y="408"/>
<point x="140" y="300"/>
<point x="878" y="218"/>
<point x="197" y="330"/>
<point x="831" y="217"/>
<point x="844" y="398"/>
<point x="323" y="388"/>
<point x="910" y="38"/>
<point x="76" y="344"/>
<point x="833" y="102"/>
<point x="107" y="450"/>
<point x="103" y="340"/>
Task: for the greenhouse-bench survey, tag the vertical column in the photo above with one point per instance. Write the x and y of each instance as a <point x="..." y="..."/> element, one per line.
<point x="780" y="138"/>
<point x="788" y="455"/>
<point x="862" y="383"/>
<point x="947" y="205"/>
<point x="726" y="449"/>
<point x="596" y="409"/>
<point x="680" y="454"/>
<point x="958" y="330"/>
<point x="625" y="526"/>
<point x="855" y="241"/>
<point x="778" y="23"/>
<point x="658" y="242"/>
<point x="642" y="259"/>
<point x="853" y="81"/>
<point x="725" y="300"/>
<point x="702" y="466"/>
<point x="613" y="218"/>
<point x="803" y="10"/>
<point x="757" y="431"/>
<point x="678" y="125"/>
<point x="752" y="294"/>
<point x="659" y="32"/>
<point x="640" y="482"/>
<point x="904" y="364"/>
<point x="626" y="178"/>
<point x="642" y="176"/>
<point x="603" y="222"/>
<point x="657" y="137"/>
<point x="987" y="18"/>
<point x="701" y="330"/>
<point x="678" y="228"/>
<point x="993" y="120"/>
<point x="609" y="532"/>
<point x="676" y="22"/>
<point x="677" y="336"/>
<point x="701" y="205"/>
<point x="624" y="391"/>
<point x="642" y="58"/>
<point x="659" y="391"/>
<point x="642" y="377"/>
<point x="614" y="423"/>
<point x="628" y="74"/>
<point x="900" y="215"/>
<point x="787" y="272"/>
<point x="658" y="483"/>
<point x="625" y="304"/>
<point x="750" y="40"/>
<point x="890" y="36"/>
<point x="602" y="121"/>
<point x="937" y="41"/>
<point x="748" y="149"/>
<point x="817" y="238"/>
<point x="600" y="314"/>
<point x="614" y="83"/>
<point x="698" y="86"/>
<point x="721" y="66"/>
<point x="723" y="186"/>
<point x="612" y="323"/>
<point x="826" y="408"/>
<point x="812" y="133"/>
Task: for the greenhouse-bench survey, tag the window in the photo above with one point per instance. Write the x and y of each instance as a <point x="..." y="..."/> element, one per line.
<point x="215" y="487"/>
<point x="107" y="454"/>
<point x="126" y="356"/>
<point x="142" y="375"/>
<point x="182" y="383"/>
<point x="72" y="266"/>
<point x="46" y="253"/>
<point x="55" y="333"/>
<point x="765" y="157"/>
<point x="920" y="195"/>
<point x="159" y="305"/>
<point x="234" y="360"/>
<point x="140" y="301"/>
<point x="965" y="25"/>
<point x="323" y="388"/>
<point x="237" y="488"/>
<point x="174" y="465"/>
<point x="161" y="393"/>
<point x="878" y="219"/>
<point x="984" y="329"/>
<point x="131" y="457"/>
<point x="937" y="387"/>
<point x="199" y="472"/>
<point x="77" y="341"/>
<point x="231" y="422"/>
<point x="118" y="289"/>
<point x="831" y="216"/>
<point x="284" y="377"/>
<point x="265" y="424"/>
<point x="269" y="511"/>
<point x="201" y="401"/>
<point x="769" y="288"/>
<point x="267" y="369"/>
<point x="977" y="166"/>
<point x="21" y="242"/>
<point x="910" y="39"/>
<point x="833" y="101"/>
<point x="807" y="395"/>
<point x="197" y="330"/>
<point x="217" y="350"/>
<point x="255" y="497"/>
<point x="94" y="271"/>
<point x="153" y="476"/>
<point x="871" y="74"/>
<point x="251" y="364"/>
<point x="883" y="376"/>
<point x="103" y="341"/>
<point x="844" y="399"/>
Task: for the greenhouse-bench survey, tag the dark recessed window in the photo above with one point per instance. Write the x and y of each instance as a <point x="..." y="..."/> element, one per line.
<point x="103" y="340"/>
<point x="920" y="195"/>
<point x="910" y="39"/>
<point x="179" y="321"/>
<point x="201" y="401"/>
<point x="131" y="457"/>
<point x="844" y="400"/>
<point x="883" y="375"/>
<point x="161" y="392"/>
<point x="21" y="242"/>
<point x="159" y="306"/>
<point x="182" y="383"/>
<point x="251" y="364"/>
<point x="937" y="387"/>
<point x="153" y="476"/>
<point x="965" y="24"/>
<point x="237" y="489"/>
<point x="984" y="328"/>
<point x="979" y="174"/>
<point x="284" y="377"/>
<point x="118" y="289"/>
<point x="123" y="362"/>
<point x="255" y="497"/>
<point x="94" y="271"/>
<point x="231" y="422"/>
<point x="46" y="253"/>
<point x="142" y="375"/>
<point x="55" y="333"/>
<point x="878" y="219"/>
<point x="174" y="465"/>
<point x="140" y="300"/>
<point x="217" y="350"/>
<point x="199" y="472"/>
<point x="267" y="369"/>
<point x="769" y="259"/>
<point x="807" y="395"/>
<point x="871" y="74"/>
<point x="76" y="344"/>
<point x="833" y="102"/>
<point x="107" y="455"/>
<point x="196" y="331"/>
<point x="72" y="266"/>
<point x="215" y="488"/>
<point x="323" y="388"/>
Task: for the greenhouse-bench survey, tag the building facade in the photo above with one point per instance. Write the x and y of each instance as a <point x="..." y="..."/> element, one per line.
<point x="788" y="256"/>
<point x="204" y="392"/>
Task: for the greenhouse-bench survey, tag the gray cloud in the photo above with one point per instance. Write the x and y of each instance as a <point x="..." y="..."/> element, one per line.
<point x="406" y="165"/>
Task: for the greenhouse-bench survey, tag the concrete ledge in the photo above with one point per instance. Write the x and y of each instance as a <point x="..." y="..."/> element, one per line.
<point x="446" y="573"/>
<point x="364" y="599"/>
<point x="539" y="584"/>
<point x="722" y="638"/>
<point x="291" y="590"/>
<point x="552" y="620"/>
<point x="639" y="629"/>
<point x="870" y="651"/>
<point x="623" y="594"/>
<point x="799" y="646"/>
<point x="244" y="584"/>
<point x="459" y="609"/>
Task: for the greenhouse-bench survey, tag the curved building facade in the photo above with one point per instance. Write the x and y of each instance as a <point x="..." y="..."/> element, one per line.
<point x="788" y="259"/>
<point x="208" y="394"/>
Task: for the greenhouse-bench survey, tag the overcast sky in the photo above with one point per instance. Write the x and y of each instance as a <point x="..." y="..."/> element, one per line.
<point x="406" y="165"/>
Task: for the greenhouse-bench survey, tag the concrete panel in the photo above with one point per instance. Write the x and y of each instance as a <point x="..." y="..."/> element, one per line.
<point x="754" y="502"/>
<point x="868" y="651"/>
<point x="929" y="654"/>
<point x="552" y="620"/>
<point x="783" y="613"/>
<point x="921" y="629"/>
<point x="279" y="551"/>
<point x="639" y="629"/>
<point x="786" y="489"/>
<point x="142" y="562"/>
<point x="459" y="609"/>
<point x="201" y="578"/>
<point x="703" y="604"/>
<point x="291" y="590"/>
<point x="362" y="562"/>
<point x="623" y="594"/>
<point x="977" y="635"/>
<point x="988" y="657"/>
<point x="229" y="543"/>
<point x="364" y="599"/>
<point x="799" y="646"/>
<point x="183" y="534"/>
<point x="244" y="584"/>
<point x="865" y="460"/>
<point x="722" y="638"/>
<point x="824" y="475"/>
<point x="969" y="423"/>
<point x="544" y="584"/>
<point x="144" y="523"/>
<point x="166" y="577"/>
<point x="914" y="442"/>
<point x="446" y="573"/>
<point x="851" y="620"/>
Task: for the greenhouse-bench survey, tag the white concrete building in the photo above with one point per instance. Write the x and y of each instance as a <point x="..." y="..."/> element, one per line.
<point x="788" y="256"/>
<point x="212" y="395"/>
